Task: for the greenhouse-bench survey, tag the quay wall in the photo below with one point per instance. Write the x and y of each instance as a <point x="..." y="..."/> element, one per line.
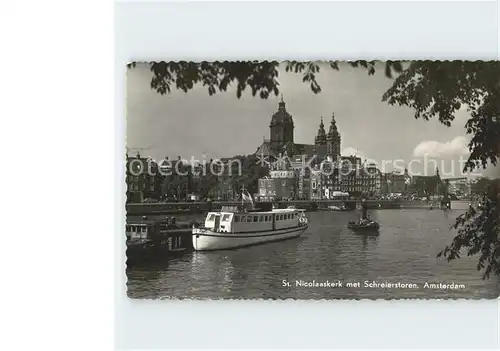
<point x="178" y="208"/>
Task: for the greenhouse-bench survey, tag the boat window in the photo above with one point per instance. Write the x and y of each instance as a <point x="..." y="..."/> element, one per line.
<point x="237" y="218"/>
<point x="243" y="218"/>
<point x="261" y="218"/>
<point x="144" y="229"/>
<point x="211" y="217"/>
<point x="225" y="218"/>
<point x="281" y="218"/>
<point x="255" y="218"/>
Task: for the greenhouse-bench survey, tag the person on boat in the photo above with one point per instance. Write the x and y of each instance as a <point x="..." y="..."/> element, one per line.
<point x="364" y="210"/>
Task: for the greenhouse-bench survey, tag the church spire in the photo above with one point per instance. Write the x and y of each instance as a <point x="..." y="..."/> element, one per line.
<point x="321" y="137"/>
<point x="333" y="131"/>
<point x="333" y="140"/>
<point x="281" y="105"/>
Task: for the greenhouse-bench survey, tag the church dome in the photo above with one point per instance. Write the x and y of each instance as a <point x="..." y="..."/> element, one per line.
<point x="281" y="116"/>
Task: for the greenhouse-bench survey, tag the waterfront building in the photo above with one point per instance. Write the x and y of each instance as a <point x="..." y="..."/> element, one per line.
<point x="176" y="179"/>
<point x="479" y="186"/>
<point x="281" y="183"/>
<point x="423" y="185"/>
<point x="393" y="182"/>
<point x="317" y="181"/>
<point x="142" y="178"/>
<point x="372" y="184"/>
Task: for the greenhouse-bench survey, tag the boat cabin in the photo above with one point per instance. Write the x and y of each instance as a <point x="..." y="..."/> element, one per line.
<point x="135" y="231"/>
<point x="241" y="222"/>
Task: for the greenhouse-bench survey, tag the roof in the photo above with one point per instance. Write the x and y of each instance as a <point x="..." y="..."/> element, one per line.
<point x="265" y="149"/>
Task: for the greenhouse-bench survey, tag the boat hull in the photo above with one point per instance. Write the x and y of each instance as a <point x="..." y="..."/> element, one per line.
<point x="371" y="228"/>
<point x="207" y="240"/>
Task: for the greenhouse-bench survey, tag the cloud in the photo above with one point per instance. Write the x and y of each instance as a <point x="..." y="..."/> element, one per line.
<point x="455" y="147"/>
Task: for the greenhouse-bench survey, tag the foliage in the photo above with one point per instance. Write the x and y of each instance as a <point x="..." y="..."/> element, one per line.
<point x="442" y="88"/>
<point x="260" y="76"/>
<point x="431" y="88"/>
<point x="479" y="233"/>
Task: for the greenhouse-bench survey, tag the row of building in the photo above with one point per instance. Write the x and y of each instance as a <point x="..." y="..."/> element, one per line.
<point x="279" y="169"/>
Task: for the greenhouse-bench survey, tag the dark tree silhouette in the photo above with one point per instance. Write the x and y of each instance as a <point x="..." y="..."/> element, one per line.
<point x="431" y="88"/>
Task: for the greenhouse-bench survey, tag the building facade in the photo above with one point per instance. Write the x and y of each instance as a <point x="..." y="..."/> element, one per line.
<point x="142" y="178"/>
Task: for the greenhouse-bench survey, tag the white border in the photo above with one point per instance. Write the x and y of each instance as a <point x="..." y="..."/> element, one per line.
<point x="339" y="30"/>
<point x="57" y="175"/>
<point x="61" y="226"/>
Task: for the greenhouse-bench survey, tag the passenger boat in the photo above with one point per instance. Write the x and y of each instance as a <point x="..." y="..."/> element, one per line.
<point x="235" y="227"/>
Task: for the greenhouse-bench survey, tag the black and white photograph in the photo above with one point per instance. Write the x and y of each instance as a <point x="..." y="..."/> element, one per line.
<point x="312" y="180"/>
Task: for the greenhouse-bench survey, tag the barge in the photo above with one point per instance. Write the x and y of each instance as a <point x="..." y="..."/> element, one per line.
<point x="149" y="240"/>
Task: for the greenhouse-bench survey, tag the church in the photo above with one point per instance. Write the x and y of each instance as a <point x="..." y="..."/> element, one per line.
<point x="313" y="183"/>
<point x="281" y="141"/>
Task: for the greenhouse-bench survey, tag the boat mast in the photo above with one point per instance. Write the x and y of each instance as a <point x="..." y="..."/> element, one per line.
<point x="242" y="192"/>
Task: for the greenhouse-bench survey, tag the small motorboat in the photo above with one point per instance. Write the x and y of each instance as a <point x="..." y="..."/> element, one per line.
<point x="363" y="225"/>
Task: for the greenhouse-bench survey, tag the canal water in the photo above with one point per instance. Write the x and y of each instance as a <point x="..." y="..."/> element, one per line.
<point x="327" y="262"/>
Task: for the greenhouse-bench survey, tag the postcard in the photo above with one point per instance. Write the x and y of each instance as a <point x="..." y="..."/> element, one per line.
<point x="312" y="180"/>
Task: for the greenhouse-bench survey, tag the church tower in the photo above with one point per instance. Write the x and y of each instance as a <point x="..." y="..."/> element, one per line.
<point x="321" y="137"/>
<point x="333" y="140"/>
<point x="281" y="127"/>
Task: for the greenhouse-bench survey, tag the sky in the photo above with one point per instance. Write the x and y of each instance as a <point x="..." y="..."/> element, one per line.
<point x="197" y="125"/>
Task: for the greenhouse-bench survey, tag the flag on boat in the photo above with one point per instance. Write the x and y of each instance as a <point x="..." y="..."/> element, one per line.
<point x="246" y="197"/>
